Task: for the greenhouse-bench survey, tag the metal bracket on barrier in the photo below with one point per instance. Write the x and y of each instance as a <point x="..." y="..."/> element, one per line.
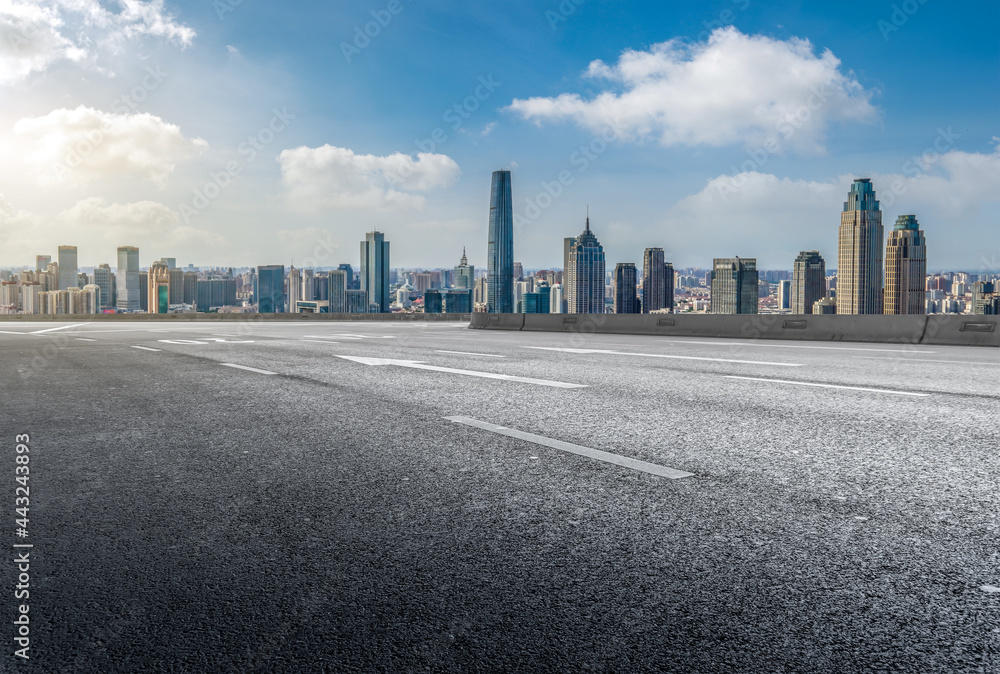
<point x="666" y="321"/>
<point x="794" y="325"/>
<point x="977" y="327"/>
<point x="569" y="319"/>
<point x="494" y="318"/>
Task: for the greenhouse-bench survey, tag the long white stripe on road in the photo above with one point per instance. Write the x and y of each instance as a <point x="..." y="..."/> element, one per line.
<point x="319" y="341"/>
<point x="660" y="355"/>
<point x="850" y="388"/>
<point x="618" y="460"/>
<point x="791" y="346"/>
<point x="145" y="348"/>
<point x="469" y="353"/>
<point x="249" y="369"/>
<point x="926" y="360"/>
<point x="419" y="365"/>
<point x="84" y="339"/>
<point x="61" y="327"/>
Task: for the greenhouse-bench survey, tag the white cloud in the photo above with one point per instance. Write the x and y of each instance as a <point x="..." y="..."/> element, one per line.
<point x="82" y="144"/>
<point x="336" y="177"/>
<point x="147" y="224"/>
<point x="757" y="214"/>
<point x="19" y="234"/>
<point x="35" y="35"/>
<point x="732" y="89"/>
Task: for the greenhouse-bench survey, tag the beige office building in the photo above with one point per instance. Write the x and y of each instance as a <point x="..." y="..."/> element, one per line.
<point x="905" y="268"/>
<point x="859" y="253"/>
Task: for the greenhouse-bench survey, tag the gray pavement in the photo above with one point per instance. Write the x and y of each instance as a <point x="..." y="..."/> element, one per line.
<point x="191" y="517"/>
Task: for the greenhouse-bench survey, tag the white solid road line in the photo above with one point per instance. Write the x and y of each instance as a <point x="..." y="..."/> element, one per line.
<point x="84" y="339"/>
<point x="61" y="327"/>
<point x="250" y="369"/>
<point x="145" y="348"/>
<point x="659" y="355"/>
<point x="419" y="365"/>
<point x="792" y="346"/>
<point x="926" y="360"/>
<point x="469" y="353"/>
<point x="319" y="341"/>
<point x="850" y="388"/>
<point x="618" y="460"/>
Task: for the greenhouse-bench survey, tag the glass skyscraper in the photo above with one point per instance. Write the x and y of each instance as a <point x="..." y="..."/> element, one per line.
<point x="67" y="267"/>
<point x="465" y="274"/>
<point x="337" y="294"/>
<point x="130" y="286"/>
<point x="808" y="281"/>
<point x="500" y="264"/>
<point x="271" y="289"/>
<point x="375" y="272"/>
<point x="626" y="300"/>
<point x="585" y="275"/>
<point x="859" y="252"/>
<point x="734" y="286"/>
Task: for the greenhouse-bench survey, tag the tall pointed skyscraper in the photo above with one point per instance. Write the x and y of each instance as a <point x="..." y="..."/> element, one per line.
<point x="586" y="274"/>
<point x="465" y="274"/>
<point x="905" y="268"/>
<point x="500" y="264"/>
<point x="859" y="254"/>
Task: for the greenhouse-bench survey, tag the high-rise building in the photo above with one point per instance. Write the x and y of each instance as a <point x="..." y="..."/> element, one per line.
<point x="500" y="263"/>
<point x="556" y="299"/>
<point x="67" y="267"/>
<point x="104" y="279"/>
<point x="357" y="301"/>
<point x="271" y="289"/>
<point x="734" y="286"/>
<point x="827" y="305"/>
<point x="905" y="268"/>
<point x="90" y="299"/>
<point x="465" y="274"/>
<point x="985" y="298"/>
<point x="127" y="279"/>
<point x="518" y="271"/>
<point x="337" y="293"/>
<point x="586" y="274"/>
<point x="176" y="283"/>
<point x="42" y="261"/>
<point x="143" y="291"/>
<point x="568" y="244"/>
<point x="538" y="301"/>
<point x="171" y="262"/>
<point x="668" y="287"/>
<point x="308" y="292"/>
<point x="784" y="295"/>
<point x="294" y="289"/>
<point x="626" y="300"/>
<point x="375" y="272"/>
<point x="352" y="281"/>
<point x="859" y="252"/>
<point x="190" y="287"/>
<point x="653" y="281"/>
<point x="808" y="281"/>
<point x="159" y="289"/>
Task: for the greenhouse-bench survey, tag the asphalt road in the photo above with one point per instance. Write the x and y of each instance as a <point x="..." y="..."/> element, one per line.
<point x="191" y="516"/>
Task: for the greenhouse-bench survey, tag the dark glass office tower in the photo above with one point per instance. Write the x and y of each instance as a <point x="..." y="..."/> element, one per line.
<point x="500" y="265"/>
<point x="585" y="274"/>
<point x="734" y="286"/>
<point x="626" y="301"/>
<point x="271" y="289"/>
<point x="808" y="281"/>
<point x="375" y="272"/>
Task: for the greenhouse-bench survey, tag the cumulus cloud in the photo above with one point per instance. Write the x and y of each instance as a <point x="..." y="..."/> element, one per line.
<point x="81" y="144"/>
<point x="35" y="35"/>
<point x="336" y="177"/>
<point x="734" y="89"/>
<point x="758" y="214"/>
<point x="146" y="223"/>
<point x="19" y="234"/>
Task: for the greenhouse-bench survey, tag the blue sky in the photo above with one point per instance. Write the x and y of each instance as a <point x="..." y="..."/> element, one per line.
<point x="247" y="133"/>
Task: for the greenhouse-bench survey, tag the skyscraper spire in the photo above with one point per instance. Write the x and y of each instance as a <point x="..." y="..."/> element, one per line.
<point x="587" y="228"/>
<point x="465" y="260"/>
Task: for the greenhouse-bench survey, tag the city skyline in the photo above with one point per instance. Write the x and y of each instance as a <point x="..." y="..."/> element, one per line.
<point x="292" y="165"/>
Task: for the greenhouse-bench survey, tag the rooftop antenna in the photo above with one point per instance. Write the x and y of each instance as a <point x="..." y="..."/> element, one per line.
<point x="588" y="218"/>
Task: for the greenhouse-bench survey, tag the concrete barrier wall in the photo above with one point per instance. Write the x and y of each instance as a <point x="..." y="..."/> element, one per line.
<point x="464" y="318"/>
<point x="934" y="329"/>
